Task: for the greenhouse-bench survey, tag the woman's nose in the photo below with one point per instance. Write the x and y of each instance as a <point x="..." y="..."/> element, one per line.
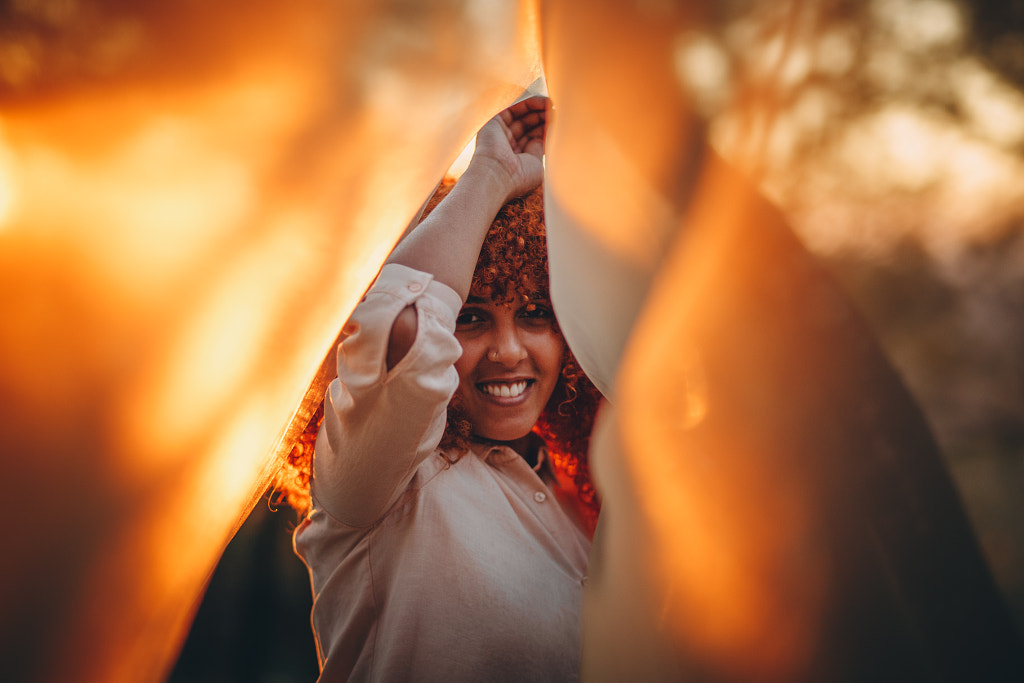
<point x="507" y="348"/>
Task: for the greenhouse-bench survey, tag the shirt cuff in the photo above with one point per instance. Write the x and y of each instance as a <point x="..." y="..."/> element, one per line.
<point x="409" y="284"/>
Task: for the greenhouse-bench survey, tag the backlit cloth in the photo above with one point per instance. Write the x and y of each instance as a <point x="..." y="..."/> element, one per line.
<point x="774" y="506"/>
<point x="193" y="196"/>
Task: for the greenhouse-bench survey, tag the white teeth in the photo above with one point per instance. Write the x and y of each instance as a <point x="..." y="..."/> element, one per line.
<point x="504" y="390"/>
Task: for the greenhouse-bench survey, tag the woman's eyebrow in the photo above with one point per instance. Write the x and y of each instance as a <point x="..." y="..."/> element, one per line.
<point x="475" y="299"/>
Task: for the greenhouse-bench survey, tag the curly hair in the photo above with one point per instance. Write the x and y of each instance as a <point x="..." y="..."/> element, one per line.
<point x="512" y="267"/>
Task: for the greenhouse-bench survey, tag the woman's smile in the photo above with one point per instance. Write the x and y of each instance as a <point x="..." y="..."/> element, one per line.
<point x="505" y="390"/>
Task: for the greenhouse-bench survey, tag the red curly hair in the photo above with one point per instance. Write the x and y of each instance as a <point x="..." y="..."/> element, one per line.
<point x="513" y="266"/>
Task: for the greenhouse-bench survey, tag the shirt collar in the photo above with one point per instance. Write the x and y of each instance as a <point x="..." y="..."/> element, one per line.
<point x="497" y="454"/>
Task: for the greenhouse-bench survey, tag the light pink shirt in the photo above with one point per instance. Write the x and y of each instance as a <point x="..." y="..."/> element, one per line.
<point x="423" y="571"/>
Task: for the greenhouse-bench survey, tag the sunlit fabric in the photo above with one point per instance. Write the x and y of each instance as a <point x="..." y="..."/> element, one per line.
<point x="192" y="199"/>
<point x="775" y="508"/>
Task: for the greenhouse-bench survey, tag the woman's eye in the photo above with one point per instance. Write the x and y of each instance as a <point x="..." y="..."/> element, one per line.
<point x="537" y="312"/>
<point x="468" y="318"/>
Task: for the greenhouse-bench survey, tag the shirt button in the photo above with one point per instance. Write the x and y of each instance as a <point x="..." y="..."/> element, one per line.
<point x="415" y="286"/>
<point x="540" y="496"/>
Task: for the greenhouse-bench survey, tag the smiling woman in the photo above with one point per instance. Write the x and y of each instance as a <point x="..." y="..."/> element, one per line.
<point x="454" y="443"/>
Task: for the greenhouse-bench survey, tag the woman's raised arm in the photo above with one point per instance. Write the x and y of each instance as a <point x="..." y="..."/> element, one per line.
<point x="506" y="163"/>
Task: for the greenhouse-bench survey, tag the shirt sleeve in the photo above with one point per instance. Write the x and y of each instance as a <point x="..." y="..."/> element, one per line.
<point x="379" y="425"/>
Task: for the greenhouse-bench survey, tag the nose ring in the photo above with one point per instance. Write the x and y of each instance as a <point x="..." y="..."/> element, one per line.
<point x="492" y="355"/>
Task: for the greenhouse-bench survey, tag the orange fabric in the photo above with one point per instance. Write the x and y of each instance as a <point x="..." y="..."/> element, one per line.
<point x="193" y="199"/>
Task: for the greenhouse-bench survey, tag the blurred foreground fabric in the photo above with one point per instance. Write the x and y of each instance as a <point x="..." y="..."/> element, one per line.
<point x="192" y="199"/>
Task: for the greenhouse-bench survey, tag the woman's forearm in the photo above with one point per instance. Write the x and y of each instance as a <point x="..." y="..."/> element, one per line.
<point x="447" y="243"/>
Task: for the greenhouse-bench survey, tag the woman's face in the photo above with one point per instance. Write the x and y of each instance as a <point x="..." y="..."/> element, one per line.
<point x="511" y="361"/>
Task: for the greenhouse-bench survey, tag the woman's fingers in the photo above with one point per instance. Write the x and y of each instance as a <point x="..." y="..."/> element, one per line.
<point x="532" y="136"/>
<point x="531" y="111"/>
<point x="523" y="125"/>
<point x="529" y="126"/>
<point x="535" y="147"/>
<point x="509" y="135"/>
<point x="537" y="103"/>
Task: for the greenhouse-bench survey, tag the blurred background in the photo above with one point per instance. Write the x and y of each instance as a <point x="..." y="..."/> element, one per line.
<point x="891" y="132"/>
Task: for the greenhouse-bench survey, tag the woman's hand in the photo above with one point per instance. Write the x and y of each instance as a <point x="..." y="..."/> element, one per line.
<point x="511" y="147"/>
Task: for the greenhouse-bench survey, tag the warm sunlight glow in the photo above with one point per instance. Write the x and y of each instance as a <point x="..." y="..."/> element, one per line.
<point x="218" y="343"/>
<point x="896" y="170"/>
<point x="703" y="69"/>
<point x="461" y="162"/>
<point x="995" y="108"/>
<point x="721" y="527"/>
<point x="188" y="215"/>
<point x="835" y="52"/>
<point x="165" y="191"/>
<point x="900" y="156"/>
<point x="6" y="187"/>
<point x="920" y="25"/>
